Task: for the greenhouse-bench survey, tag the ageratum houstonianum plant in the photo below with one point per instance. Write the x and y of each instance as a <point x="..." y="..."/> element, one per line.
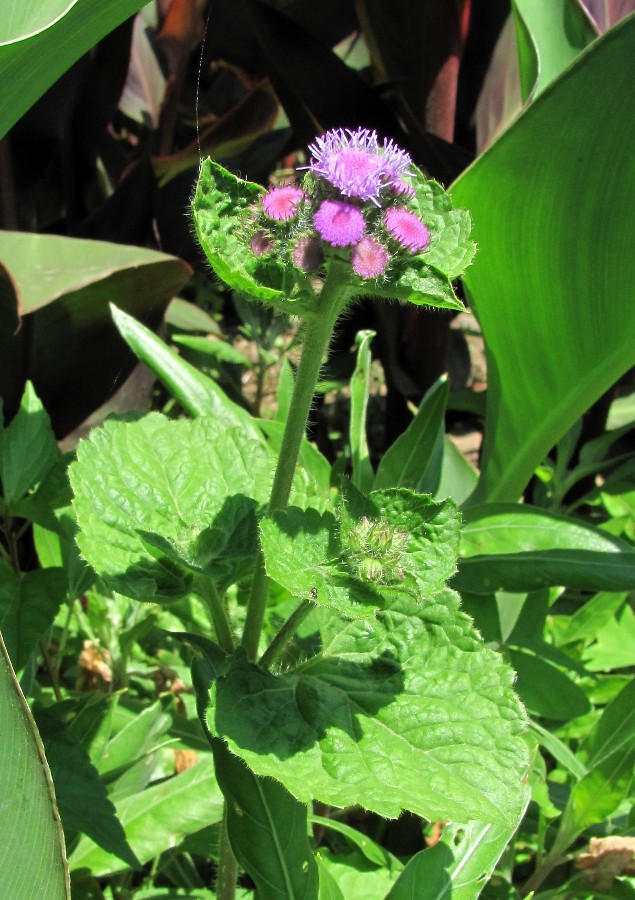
<point x="399" y="706"/>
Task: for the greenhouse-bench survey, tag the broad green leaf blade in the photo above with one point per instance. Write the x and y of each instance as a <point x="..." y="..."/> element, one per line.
<point x="362" y="475"/>
<point x="614" y="732"/>
<point x="158" y="818"/>
<point x="545" y="689"/>
<point x="520" y="548"/>
<point x="83" y="802"/>
<point x="458" y="476"/>
<point x="414" y="460"/>
<point x="218" y="350"/>
<point x="598" y="795"/>
<point x="136" y="739"/>
<point x="267" y="829"/>
<point x="29" y="67"/>
<point x="558" y="335"/>
<point x="23" y="20"/>
<point x="373" y="852"/>
<point x="406" y="710"/>
<point x="28" y="449"/>
<point x="199" y="394"/>
<point x="354" y="875"/>
<point x="590" y="619"/>
<point x="32" y="852"/>
<point x="64" y="287"/>
<point x="160" y="501"/>
<point x="550" y="34"/>
<point x="457" y="867"/>
<point x="29" y="603"/>
<point x="219" y="207"/>
<point x="615" y="644"/>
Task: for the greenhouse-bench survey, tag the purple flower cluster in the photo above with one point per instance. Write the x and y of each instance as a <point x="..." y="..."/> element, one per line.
<point x="354" y="197"/>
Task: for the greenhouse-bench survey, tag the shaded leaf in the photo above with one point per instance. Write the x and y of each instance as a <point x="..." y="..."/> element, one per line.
<point x="32" y="852"/>
<point x="406" y="710"/>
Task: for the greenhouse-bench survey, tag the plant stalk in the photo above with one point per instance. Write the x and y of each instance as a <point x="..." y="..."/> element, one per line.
<point x="285" y="633"/>
<point x="317" y="338"/>
<point x="227" y="865"/>
<point x="207" y="590"/>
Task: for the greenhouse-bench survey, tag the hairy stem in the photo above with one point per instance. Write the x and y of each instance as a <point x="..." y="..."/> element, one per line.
<point x="207" y="590"/>
<point x="317" y="338"/>
<point x="285" y="633"/>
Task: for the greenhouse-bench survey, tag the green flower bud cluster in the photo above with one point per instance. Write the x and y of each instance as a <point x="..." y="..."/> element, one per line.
<point x="376" y="550"/>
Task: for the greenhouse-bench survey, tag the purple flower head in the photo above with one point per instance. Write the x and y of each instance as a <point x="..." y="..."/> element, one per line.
<point x="407" y="229"/>
<point x="261" y="243"/>
<point x="307" y="253"/>
<point x="339" y="224"/>
<point x="282" y="203"/>
<point x="355" y="163"/>
<point x="369" y="258"/>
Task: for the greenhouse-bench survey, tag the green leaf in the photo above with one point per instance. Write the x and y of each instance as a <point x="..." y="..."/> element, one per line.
<point x="557" y="336"/>
<point x="598" y="795"/>
<point x="59" y="549"/>
<point x="615" y="644"/>
<point x="219" y="208"/>
<point x="414" y="460"/>
<point x="31" y="64"/>
<point x="545" y="689"/>
<point x="28" y="450"/>
<point x="218" y="350"/>
<point x="32" y="852"/>
<point x="518" y="548"/>
<point x="199" y="394"/>
<point x="28" y="605"/>
<point x="590" y="619"/>
<point x="458" y="476"/>
<point x="406" y="710"/>
<point x="354" y="875"/>
<point x="362" y="475"/>
<point x="83" y="803"/>
<point x="550" y="35"/>
<point x="312" y="555"/>
<point x="451" y="249"/>
<point x="267" y="829"/>
<point x="373" y="852"/>
<point x="158" y="818"/>
<point x="158" y="501"/>
<point x="614" y="732"/>
<point x="188" y="316"/>
<point x="137" y="739"/>
<point x="457" y="867"/>
<point x="59" y="281"/>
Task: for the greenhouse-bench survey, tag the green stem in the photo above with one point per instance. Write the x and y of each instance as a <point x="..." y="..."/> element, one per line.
<point x="206" y="588"/>
<point x="317" y="338"/>
<point x="552" y="860"/>
<point x="227" y="865"/>
<point x="286" y="632"/>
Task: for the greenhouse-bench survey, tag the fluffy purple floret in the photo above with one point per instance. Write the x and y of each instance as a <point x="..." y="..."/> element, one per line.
<point x="339" y="224"/>
<point x="407" y="229"/>
<point x="282" y="203"/>
<point x="356" y="164"/>
<point x="369" y="258"/>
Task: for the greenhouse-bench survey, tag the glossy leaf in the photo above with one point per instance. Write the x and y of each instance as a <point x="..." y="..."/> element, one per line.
<point x="159" y="501"/>
<point x="355" y="876"/>
<point x="30" y="65"/>
<point x="60" y="281"/>
<point x="29" y="603"/>
<point x="28" y="449"/>
<point x="32" y="852"/>
<point x="414" y="460"/>
<point x="455" y="868"/>
<point x="520" y="548"/>
<point x="615" y="644"/>
<point x="458" y="476"/>
<point x="83" y="803"/>
<point x="267" y="829"/>
<point x="545" y="689"/>
<point x="557" y="335"/>
<point x="158" y="818"/>
<point x="406" y="710"/>
<point x="199" y="394"/>
<point x="550" y="34"/>
<point x="614" y="732"/>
